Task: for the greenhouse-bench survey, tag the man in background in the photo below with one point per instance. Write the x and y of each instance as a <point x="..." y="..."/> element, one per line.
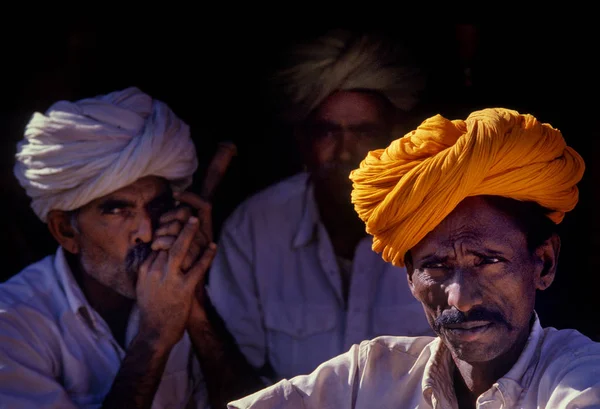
<point x="295" y="279"/>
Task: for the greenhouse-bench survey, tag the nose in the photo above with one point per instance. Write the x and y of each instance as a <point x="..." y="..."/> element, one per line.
<point x="144" y="229"/>
<point x="463" y="291"/>
<point x="345" y="145"/>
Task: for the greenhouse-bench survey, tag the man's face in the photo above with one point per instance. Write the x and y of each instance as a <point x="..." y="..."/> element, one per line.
<point x="476" y="279"/>
<point x="340" y="133"/>
<point x="116" y="231"/>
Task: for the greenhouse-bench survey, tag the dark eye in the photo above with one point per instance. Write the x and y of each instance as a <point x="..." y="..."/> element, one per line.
<point x="366" y="134"/>
<point x="433" y="265"/>
<point x="321" y="131"/>
<point x="323" y="134"/>
<point x="114" y="210"/>
<point x="490" y="260"/>
<point x="162" y="206"/>
<point x="369" y="132"/>
<point x="435" y="271"/>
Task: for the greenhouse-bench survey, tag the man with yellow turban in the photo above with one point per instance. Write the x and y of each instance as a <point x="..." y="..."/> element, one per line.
<point x="470" y="207"/>
<point x="110" y="320"/>
<point x="295" y="278"/>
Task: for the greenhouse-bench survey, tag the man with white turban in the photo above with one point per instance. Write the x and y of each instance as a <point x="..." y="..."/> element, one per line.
<point x="470" y="207"/>
<point x="295" y="279"/>
<point x="80" y="151"/>
<point x="114" y="318"/>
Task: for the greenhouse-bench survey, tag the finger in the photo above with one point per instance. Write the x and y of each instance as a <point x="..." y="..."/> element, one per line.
<point x="171" y="228"/>
<point x="145" y="266"/>
<point x="204" y="209"/>
<point x="193" y="200"/>
<point x="182" y="244"/>
<point x="163" y="243"/>
<point x="203" y="237"/>
<point x="200" y="267"/>
<point x="159" y="263"/>
<point x="181" y="213"/>
<point x="191" y="256"/>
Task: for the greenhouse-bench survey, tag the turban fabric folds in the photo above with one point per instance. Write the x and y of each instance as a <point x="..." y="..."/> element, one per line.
<point x="404" y="191"/>
<point x="341" y="60"/>
<point x="79" y="151"/>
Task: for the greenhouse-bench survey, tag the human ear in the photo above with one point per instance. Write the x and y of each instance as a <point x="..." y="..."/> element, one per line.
<point x="62" y="229"/>
<point x="547" y="255"/>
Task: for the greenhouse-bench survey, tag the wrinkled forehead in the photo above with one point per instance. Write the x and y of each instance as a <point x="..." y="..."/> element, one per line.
<point x="475" y="223"/>
<point x="346" y="108"/>
<point x="143" y="190"/>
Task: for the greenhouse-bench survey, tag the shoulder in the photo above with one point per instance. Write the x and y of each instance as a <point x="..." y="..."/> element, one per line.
<point x="336" y="382"/>
<point x="32" y="286"/>
<point x="29" y="333"/>
<point x="412" y="346"/>
<point x="31" y="304"/>
<point x="568" y="369"/>
<point x="568" y="344"/>
<point x="395" y="354"/>
<point x="568" y="354"/>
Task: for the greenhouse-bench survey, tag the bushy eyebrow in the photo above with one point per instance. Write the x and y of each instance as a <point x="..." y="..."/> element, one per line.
<point x="115" y="203"/>
<point x="485" y="252"/>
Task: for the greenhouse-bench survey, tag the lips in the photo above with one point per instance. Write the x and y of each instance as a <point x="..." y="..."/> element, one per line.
<point x="468" y="325"/>
<point x="136" y="257"/>
<point x="468" y="331"/>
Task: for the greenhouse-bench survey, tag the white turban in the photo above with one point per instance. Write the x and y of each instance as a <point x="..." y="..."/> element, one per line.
<point x="80" y="151"/>
<point x="341" y="60"/>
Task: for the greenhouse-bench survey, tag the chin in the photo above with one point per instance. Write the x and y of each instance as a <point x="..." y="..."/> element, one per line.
<point x="471" y="355"/>
<point x="473" y="352"/>
<point x="127" y="290"/>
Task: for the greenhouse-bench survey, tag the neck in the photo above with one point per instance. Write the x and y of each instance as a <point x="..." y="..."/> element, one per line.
<point x="106" y="301"/>
<point x="473" y="379"/>
<point x="343" y="225"/>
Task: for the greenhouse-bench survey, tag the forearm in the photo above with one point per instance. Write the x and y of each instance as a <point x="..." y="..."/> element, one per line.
<point x="227" y="373"/>
<point x="138" y="378"/>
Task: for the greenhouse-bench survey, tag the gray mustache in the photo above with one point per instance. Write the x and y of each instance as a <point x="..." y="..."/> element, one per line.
<point x="136" y="257"/>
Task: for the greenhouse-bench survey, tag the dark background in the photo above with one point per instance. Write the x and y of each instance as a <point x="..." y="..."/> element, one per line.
<point x="216" y="80"/>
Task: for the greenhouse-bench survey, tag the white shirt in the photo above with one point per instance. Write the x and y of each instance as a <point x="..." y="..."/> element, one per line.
<point x="57" y="352"/>
<point x="557" y="369"/>
<point x="276" y="283"/>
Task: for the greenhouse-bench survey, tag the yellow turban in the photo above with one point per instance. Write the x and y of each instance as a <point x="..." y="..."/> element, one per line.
<point x="404" y="191"/>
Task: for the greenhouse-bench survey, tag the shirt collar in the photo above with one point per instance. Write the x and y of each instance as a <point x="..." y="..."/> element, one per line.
<point x="307" y="227"/>
<point x="75" y="298"/>
<point x="519" y="377"/>
<point x="438" y="384"/>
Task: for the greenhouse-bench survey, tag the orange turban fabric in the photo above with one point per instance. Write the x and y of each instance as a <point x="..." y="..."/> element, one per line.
<point x="404" y="191"/>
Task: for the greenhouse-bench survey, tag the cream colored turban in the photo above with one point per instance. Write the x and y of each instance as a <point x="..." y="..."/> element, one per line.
<point x="80" y="151"/>
<point x="341" y="60"/>
<point x="404" y="191"/>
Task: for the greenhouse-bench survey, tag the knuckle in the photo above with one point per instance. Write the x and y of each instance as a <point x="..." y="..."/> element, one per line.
<point x="190" y="229"/>
<point x="163" y="242"/>
<point x="183" y="213"/>
<point x="156" y="266"/>
<point x="192" y="253"/>
<point x="175" y="227"/>
<point x="187" y="263"/>
<point x="176" y="249"/>
<point x="178" y="245"/>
